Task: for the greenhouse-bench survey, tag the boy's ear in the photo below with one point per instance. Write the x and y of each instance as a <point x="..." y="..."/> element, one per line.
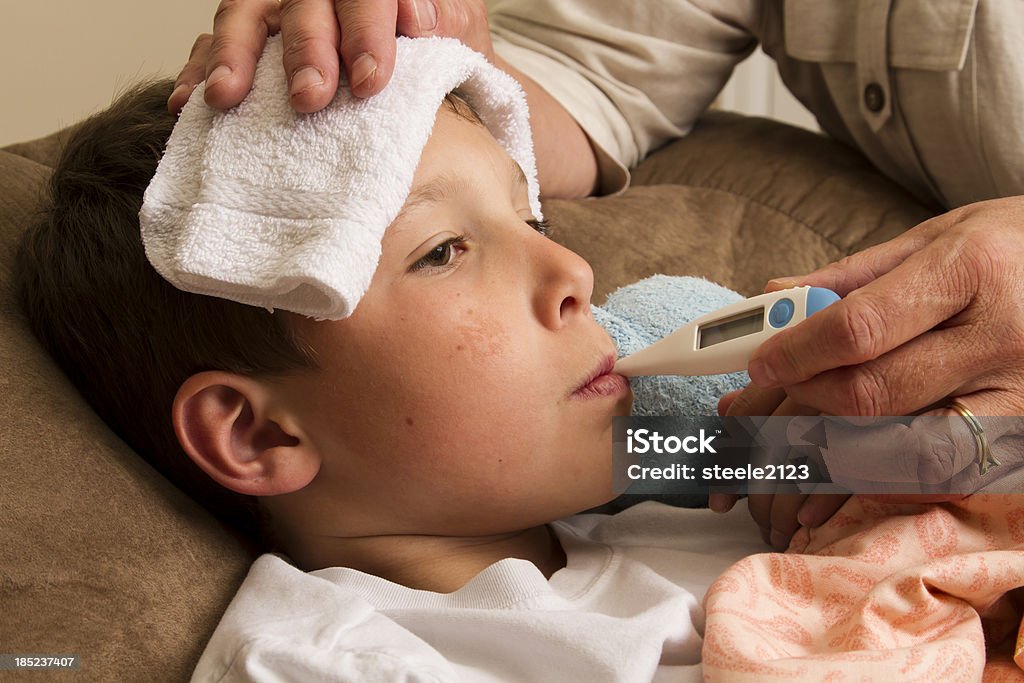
<point x="225" y="424"/>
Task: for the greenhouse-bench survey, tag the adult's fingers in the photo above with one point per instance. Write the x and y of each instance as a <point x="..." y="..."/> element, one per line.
<point x="903" y="381"/>
<point x="856" y="270"/>
<point x="993" y="427"/>
<point x="1003" y="423"/>
<point x="726" y="400"/>
<point x="752" y="400"/>
<point x="416" y="18"/>
<point x="782" y="517"/>
<point x="367" y="43"/>
<point x="749" y="401"/>
<point x="462" y="19"/>
<point x="926" y="289"/>
<point x="310" y="36"/>
<point x="819" y="508"/>
<point x="779" y="515"/>
<point x="240" y="30"/>
<point x="897" y="457"/>
<point x="722" y="502"/>
<point x="192" y="74"/>
<point x="1000" y="414"/>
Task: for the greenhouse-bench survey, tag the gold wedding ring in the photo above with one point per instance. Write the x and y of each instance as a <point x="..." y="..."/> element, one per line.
<point x="986" y="460"/>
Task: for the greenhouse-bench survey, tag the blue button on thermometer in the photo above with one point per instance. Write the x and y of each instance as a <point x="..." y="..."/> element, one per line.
<point x="725" y="340"/>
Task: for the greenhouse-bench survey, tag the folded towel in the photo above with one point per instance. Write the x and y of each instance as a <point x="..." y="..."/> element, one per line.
<point x="640" y="314"/>
<point x="268" y="207"/>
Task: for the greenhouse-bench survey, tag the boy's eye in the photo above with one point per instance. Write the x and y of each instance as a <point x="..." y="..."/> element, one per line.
<point x="442" y="255"/>
<point x="543" y="227"/>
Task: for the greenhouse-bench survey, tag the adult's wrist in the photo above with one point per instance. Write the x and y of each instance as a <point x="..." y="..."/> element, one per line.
<point x="566" y="163"/>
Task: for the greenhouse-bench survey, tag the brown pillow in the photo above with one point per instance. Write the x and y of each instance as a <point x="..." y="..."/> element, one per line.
<point x="101" y="557"/>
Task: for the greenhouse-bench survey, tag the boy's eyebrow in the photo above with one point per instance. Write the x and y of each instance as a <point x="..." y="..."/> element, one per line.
<point x="437" y="189"/>
<point x="446" y="184"/>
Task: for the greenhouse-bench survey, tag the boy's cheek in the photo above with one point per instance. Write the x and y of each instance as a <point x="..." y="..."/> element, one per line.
<point x="480" y="338"/>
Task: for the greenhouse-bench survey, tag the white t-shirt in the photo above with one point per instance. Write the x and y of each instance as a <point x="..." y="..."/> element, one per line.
<point x="626" y="607"/>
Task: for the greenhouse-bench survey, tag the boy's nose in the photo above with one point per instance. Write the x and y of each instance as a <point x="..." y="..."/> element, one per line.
<point x="565" y="284"/>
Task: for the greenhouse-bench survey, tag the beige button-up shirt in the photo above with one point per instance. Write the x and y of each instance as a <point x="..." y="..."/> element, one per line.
<point x="932" y="91"/>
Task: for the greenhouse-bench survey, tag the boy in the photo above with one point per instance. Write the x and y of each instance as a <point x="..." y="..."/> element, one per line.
<point x="413" y="457"/>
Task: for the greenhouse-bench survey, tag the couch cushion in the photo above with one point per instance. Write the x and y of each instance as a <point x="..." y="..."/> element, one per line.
<point x="101" y="556"/>
<point x="739" y="201"/>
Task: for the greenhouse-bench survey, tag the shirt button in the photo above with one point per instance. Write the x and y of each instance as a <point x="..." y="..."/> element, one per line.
<point x="874" y="97"/>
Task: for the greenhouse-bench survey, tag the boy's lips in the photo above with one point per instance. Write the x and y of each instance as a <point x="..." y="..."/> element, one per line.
<point x="602" y="381"/>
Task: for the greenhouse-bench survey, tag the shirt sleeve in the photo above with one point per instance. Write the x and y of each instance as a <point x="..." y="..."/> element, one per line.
<point x="633" y="75"/>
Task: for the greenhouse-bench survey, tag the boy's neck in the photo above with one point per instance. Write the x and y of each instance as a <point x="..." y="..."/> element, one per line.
<point x="435" y="563"/>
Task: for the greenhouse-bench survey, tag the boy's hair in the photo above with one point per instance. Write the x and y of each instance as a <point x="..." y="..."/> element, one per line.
<point x="125" y="336"/>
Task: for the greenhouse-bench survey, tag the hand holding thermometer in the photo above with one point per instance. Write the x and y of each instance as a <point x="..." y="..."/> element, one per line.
<point x="724" y="341"/>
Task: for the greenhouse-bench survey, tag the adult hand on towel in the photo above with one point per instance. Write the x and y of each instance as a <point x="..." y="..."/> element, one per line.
<point x="314" y="32"/>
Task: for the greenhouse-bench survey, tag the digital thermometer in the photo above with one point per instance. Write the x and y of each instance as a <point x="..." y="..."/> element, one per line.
<point x="724" y="341"/>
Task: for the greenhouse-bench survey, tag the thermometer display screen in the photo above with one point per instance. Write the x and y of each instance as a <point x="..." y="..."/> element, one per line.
<point x="731" y="328"/>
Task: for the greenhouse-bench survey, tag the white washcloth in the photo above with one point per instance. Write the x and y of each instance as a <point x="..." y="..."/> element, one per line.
<point x="268" y="207"/>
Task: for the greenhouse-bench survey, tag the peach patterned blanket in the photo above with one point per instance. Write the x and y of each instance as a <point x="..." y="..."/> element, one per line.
<point x="881" y="592"/>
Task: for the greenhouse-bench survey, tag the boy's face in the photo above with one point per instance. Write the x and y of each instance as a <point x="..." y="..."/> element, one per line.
<point x="455" y="400"/>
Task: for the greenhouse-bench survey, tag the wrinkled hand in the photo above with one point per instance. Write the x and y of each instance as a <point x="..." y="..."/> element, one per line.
<point x="935" y="313"/>
<point x="314" y="32"/>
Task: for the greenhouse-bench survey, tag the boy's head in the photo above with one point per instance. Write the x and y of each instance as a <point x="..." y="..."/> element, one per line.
<point x="456" y="400"/>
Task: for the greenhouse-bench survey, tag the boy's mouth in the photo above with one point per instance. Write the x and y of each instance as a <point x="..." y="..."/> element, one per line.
<point x="602" y="381"/>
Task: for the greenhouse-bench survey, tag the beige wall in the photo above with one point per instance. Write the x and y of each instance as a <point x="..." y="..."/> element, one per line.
<point x="756" y="88"/>
<point x="64" y="59"/>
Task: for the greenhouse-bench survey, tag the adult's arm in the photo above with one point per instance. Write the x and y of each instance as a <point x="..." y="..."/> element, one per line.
<point x="633" y="75"/>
